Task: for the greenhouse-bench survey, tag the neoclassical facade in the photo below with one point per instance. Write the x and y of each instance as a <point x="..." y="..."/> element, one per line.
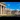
<point x="3" y="10"/>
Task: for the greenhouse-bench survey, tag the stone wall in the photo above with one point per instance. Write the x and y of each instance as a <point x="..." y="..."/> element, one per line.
<point x="13" y="12"/>
<point x="17" y="13"/>
<point x="7" y="11"/>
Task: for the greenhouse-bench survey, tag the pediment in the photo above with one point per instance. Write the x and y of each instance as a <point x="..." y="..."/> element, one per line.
<point x="1" y="3"/>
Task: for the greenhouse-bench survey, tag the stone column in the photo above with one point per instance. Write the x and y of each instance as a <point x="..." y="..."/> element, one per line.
<point x="1" y="9"/>
<point x="10" y="12"/>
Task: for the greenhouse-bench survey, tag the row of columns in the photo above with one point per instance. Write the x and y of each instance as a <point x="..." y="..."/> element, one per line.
<point x="1" y="10"/>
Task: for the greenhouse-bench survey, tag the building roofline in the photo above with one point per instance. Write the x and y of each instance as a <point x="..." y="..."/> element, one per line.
<point x="3" y="3"/>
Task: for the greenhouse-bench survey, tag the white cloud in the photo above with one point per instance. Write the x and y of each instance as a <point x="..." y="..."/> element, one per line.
<point x="8" y="4"/>
<point x="12" y="9"/>
<point x="17" y="9"/>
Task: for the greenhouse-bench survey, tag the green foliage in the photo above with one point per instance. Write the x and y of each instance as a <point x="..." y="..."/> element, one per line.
<point x="13" y="14"/>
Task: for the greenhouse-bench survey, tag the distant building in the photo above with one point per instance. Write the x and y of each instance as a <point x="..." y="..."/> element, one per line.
<point x="13" y="12"/>
<point x="17" y="12"/>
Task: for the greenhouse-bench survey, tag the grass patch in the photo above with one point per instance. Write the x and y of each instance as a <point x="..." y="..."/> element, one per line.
<point x="13" y="14"/>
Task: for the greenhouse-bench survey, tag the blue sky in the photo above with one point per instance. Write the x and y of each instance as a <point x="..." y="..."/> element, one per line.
<point x="13" y="5"/>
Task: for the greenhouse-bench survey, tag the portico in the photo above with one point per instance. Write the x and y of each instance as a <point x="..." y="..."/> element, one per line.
<point x="2" y="8"/>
